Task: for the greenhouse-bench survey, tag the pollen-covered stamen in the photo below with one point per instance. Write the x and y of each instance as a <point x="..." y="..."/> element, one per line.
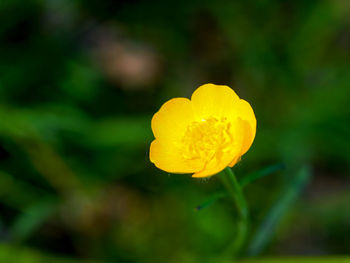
<point x="207" y="139"/>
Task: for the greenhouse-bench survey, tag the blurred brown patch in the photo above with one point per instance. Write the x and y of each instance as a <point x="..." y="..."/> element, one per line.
<point x="129" y="64"/>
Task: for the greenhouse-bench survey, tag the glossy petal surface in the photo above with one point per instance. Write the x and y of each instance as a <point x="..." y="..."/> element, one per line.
<point x="202" y="135"/>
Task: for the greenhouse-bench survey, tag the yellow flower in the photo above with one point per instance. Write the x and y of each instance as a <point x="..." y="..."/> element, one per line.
<point x="203" y="135"/>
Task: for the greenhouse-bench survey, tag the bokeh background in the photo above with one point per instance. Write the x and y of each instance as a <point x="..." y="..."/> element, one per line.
<point x="79" y="82"/>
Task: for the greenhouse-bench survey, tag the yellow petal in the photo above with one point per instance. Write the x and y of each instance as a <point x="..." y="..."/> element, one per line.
<point x="246" y="113"/>
<point x="235" y="160"/>
<point x="248" y="138"/>
<point x="204" y="135"/>
<point x="212" y="100"/>
<point x="170" y="159"/>
<point x="171" y="121"/>
<point x="214" y="167"/>
<point x="228" y="156"/>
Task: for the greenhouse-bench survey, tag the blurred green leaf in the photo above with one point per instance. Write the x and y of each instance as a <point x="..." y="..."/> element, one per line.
<point x="13" y="254"/>
<point x="283" y="204"/>
<point x="81" y="81"/>
<point x="124" y="131"/>
<point x="326" y="259"/>
<point x="31" y="219"/>
<point x="210" y="201"/>
<point x="19" y="194"/>
<point x="248" y="179"/>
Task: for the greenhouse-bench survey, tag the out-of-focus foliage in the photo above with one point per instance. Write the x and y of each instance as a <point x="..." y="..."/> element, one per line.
<point x="79" y="82"/>
<point x="11" y="254"/>
<point x="19" y="255"/>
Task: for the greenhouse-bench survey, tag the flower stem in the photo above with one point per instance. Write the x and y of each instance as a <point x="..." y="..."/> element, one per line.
<point x="234" y="190"/>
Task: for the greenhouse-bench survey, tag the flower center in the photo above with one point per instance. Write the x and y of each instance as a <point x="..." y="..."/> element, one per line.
<point x="207" y="139"/>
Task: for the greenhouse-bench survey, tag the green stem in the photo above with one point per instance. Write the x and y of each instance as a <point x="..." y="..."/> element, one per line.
<point x="233" y="188"/>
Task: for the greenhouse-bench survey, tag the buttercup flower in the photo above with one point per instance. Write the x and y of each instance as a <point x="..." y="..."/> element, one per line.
<point x="203" y="135"/>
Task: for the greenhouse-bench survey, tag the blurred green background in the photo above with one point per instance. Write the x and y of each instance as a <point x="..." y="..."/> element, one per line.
<point x="79" y="82"/>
